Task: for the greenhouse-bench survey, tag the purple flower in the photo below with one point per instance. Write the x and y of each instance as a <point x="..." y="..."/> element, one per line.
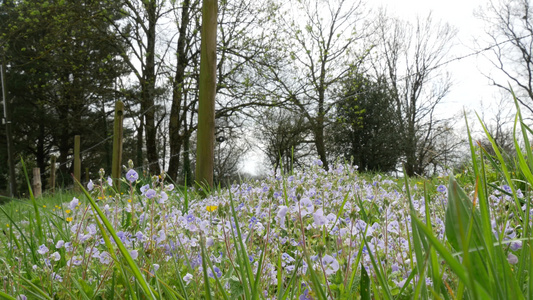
<point x="516" y="245"/>
<point x="56" y="256"/>
<point x="217" y="272"/>
<point x="109" y="181"/>
<point x="75" y="260"/>
<point x="306" y="207"/>
<point x="42" y="249"/>
<point x="281" y="215"/>
<point x="305" y="295"/>
<point x="90" y="185"/>
<point x="132" y="176"/>
<point x="319" y="218"/>
<point x="134" y="254"/>
<point x="512" y="259"/>
<point x="441" y="188"/>
<point x="162" y="198"/>
<point x="190" y="218"/>
<point x="331" y="265"/>
<point x="74" y="203"/>
<point x="187" y="278"/>
<point x="21" y="297"/>
<point x="144" y="188"/>
<point x="60" y="244"/>
<point x="150" y="193"/>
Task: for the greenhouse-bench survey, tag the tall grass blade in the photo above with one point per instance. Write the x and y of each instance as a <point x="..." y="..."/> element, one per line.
<point x="129" y="260"/>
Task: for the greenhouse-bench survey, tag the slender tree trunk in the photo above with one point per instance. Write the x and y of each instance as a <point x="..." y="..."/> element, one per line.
<point x="207" y="87"/>
<point x="139" y="147"/>
<point x="148" y="87"/>
<point x="177" y="95"/>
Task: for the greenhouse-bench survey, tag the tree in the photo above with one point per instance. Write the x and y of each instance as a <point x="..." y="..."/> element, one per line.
<point x="207" y="91"/>
<point x="509" y="30"/>
<point x="285" y="136"/>
<point x="365" y="131"/>
<point x="62" y="66"/>
<point x="320" y="51"/>
<point x="409" y="57"/>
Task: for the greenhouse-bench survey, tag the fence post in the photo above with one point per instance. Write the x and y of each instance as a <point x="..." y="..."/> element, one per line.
<point x="53" y="173"/>
<point x="77" y="162"/>
<point x="117" y="144"/>
<point x="87" y="175"/>
<point x="36" y="184"/>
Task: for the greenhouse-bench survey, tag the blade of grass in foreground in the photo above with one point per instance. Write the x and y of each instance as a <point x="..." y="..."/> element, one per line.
<point x="129" y="260"/>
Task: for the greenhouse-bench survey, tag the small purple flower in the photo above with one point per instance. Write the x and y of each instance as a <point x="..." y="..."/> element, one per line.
<point x="441" y="188"/>
<point x="42" y="249"/>
<point x="109" y="181"/>
<point x="190" y="218"/>
<point x="60" y="244"/>
<point x="56" y="256"/>
<point x="144" y="188"/>
<point x="74" y="203"/>
<point x="22" y="297"/>
<point x="305" y="295"/>
<point x="516" y="245"/>
<point x="90" y="185"/>
<point x="134" y="254"/>
<point x="507" y="189"/>
<point x="75" y="260"/>
<point x="187" y="278"/>
<point x="150" y="193"/>
<point x="512" y="259"/>
<point x="162" y="198"/>
<point x="319" y="218"/>
<point x="217" y="272"/>
<point x="331" y="265"/>
<point x="132" y="175"/>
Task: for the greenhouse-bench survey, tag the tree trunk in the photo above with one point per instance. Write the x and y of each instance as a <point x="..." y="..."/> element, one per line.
<point x="177" y="95"/>
<point x="139" y="147"/>
<point x="148" y="87"/>
<point x="207" y="87"/>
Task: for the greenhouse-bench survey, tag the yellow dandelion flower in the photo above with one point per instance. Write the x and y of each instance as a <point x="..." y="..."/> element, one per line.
<point x="7" y="225"/>
<point x="129" y="200"/>
<point x="67" y="211"/>
<point x="211" y="208"/>
<point x="69" y="219"/>
<point x="44" y="206"/>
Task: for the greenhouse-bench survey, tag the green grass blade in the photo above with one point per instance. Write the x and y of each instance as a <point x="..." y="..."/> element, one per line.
<point x="131" y="263"/>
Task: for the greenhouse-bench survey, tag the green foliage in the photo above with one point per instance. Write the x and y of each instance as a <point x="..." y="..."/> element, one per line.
<point x="365" y="131"/>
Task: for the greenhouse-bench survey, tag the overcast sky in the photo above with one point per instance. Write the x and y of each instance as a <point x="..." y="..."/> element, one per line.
<point x="469" y="85"/>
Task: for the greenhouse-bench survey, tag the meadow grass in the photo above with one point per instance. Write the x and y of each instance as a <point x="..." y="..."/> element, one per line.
<point x="312" y="234"/>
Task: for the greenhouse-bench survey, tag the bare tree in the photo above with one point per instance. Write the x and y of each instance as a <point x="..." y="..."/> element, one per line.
<point x="320" y="48"/>
<point x="410" y="56"/>
<point x="286" y="138"/>
<point x="509" y="28"/>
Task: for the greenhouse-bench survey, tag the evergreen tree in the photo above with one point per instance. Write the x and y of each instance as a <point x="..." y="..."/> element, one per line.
<point x="365" y="131"/>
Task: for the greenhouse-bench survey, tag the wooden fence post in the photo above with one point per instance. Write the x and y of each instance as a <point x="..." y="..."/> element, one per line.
<point x="77" y="162"/>
<point x="36" y="184"/>
<point x="117" y="144"/>
<point x="87" y="175"/>
<point x="53" y="173"/>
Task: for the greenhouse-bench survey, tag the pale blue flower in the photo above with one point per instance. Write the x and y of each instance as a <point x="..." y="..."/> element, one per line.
<point x="42" y="250"/>
<point x="132" y="176"/>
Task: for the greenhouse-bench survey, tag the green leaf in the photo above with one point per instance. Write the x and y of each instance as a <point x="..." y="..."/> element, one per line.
<point x="365" y="284"/>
